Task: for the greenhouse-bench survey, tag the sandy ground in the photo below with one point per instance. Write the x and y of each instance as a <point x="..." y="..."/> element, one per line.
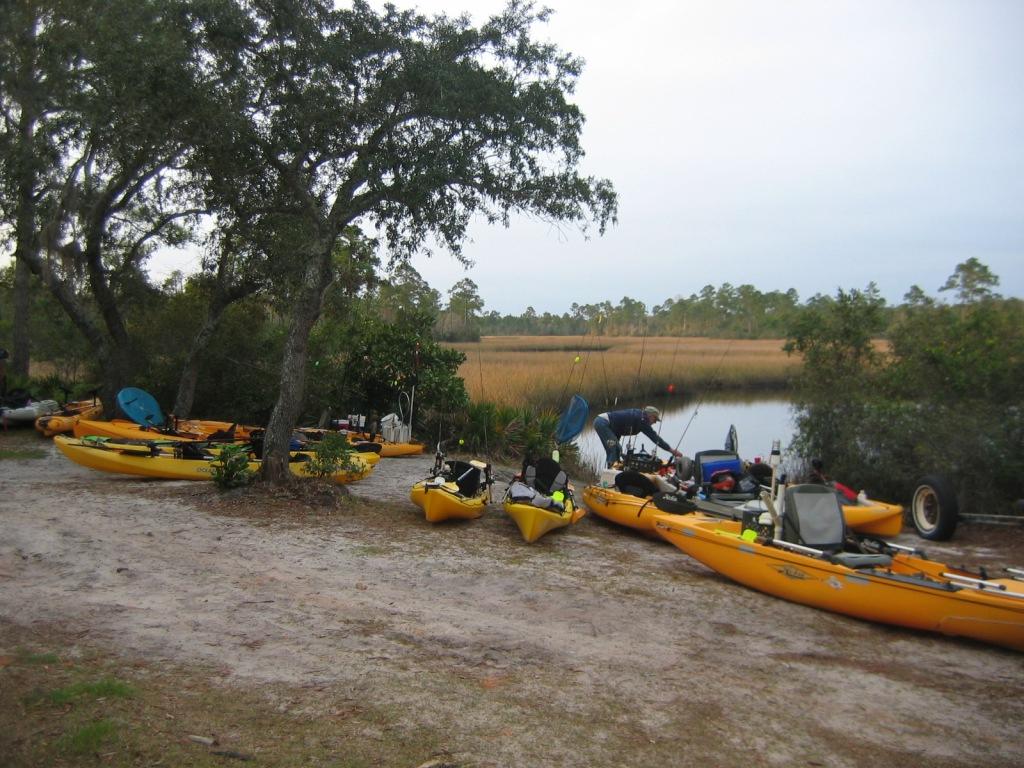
<point x="592" y="647"/>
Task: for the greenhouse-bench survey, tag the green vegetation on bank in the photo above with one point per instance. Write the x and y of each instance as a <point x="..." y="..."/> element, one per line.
<point x="947" y="396"/>
<point x="942" y="392"/>
<point x="295" y="314"/>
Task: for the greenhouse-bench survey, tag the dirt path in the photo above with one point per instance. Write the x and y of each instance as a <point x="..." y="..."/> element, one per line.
<point x="592" y="647"/>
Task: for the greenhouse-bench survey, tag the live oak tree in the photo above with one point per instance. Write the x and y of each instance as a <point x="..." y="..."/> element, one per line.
<point x="34" y="62"/>
<point x="401" y="123"/>
<point x="103" y="103"/>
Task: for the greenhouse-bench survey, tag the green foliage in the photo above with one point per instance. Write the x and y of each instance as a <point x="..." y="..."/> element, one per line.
<point x="724" y="312"/>
<point x="231" y="468"/>
<point x="54" y="338"/>
<point x="331" y="454"/>
<point x="367" y="364"/>
<point x="501" y="431"/>
<point x="481" y="427"/>
<point x="531" y="434"/>
<point x="959" y="354"/>
<point x="972" y="281"/>
<point x="947" y="398"/>
<point x="835" y="337"/>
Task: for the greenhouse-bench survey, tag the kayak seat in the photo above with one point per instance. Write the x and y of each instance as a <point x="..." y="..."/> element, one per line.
<point x="859" y="560"/>
<point x="224" y="434"/>
<point x="635" y="483"/>
<point x="465" y="476"/>
<point x="812" y="517"/>
<point x="193" y="451"/>
<point x="546" y="476"/>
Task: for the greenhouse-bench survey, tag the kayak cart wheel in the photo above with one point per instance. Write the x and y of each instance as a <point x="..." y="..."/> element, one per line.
<point x="934" y="508"/>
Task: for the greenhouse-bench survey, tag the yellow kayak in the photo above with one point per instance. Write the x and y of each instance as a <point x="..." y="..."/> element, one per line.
<point x="540" y="499"/>
<point x="870" y="517"/>
<point x="534" y="521"/>
<point x="366" y="452"/>
<point x="70" y="414"/>
<point x="389" y="449"/>
<point x="456" y="490"/>
<point x="186" y="429"/>
<point x="902" y="589"/>
<point x="151" y="460"/>
<point x="621" y="508"/>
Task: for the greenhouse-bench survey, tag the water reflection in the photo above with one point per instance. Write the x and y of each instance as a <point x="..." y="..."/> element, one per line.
<point x="758" y="421"/>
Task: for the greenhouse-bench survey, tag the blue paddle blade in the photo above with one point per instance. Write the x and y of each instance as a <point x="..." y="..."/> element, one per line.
<point x="140" y="406"/>
<point x="572" y="420"/>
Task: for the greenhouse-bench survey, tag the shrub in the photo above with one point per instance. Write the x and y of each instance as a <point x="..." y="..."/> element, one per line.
<point x="331" y="454"/>
<point x="231" y="469"/>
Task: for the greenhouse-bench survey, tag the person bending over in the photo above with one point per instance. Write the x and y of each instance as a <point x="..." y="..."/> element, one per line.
<point x="614" y="425"/>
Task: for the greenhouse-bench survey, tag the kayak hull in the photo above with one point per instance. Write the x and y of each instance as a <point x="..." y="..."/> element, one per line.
<point x="442" y="501"/>
<point x="69" y="415"/>
<point x="621" y="508"/>
<point x="870" y="518"/>
<point x="186" y="429"/>
<point x="533" y="522"/>
<point x="389" y="449"/>
<point x="27" y="415"/>
<point x="911" y="593"/>
<point x="140" y="459"/>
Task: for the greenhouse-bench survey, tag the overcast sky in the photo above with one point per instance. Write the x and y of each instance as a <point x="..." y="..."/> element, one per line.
<point x="813" y="144"/>
<point x="807" y="144"/>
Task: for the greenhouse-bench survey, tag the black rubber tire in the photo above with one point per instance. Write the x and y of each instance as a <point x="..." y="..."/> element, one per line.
<point x="934" y="509"/>
<point x="684" y="468"/>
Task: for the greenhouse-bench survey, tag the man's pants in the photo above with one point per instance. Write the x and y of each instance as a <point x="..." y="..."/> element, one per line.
<point x="613" y="452"/>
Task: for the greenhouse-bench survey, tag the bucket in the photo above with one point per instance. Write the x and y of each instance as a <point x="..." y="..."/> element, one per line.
<point x="607" y="478"/>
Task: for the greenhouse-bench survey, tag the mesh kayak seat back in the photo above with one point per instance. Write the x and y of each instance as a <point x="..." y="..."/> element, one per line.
<point x="812" y="517"/>
<point x="546" y="476"/>
<point x="464" y="475"/>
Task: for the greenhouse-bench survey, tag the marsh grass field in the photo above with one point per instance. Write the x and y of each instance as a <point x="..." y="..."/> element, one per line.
<point x="542" y="371"/>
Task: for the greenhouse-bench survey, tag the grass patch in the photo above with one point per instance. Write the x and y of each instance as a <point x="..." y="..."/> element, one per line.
<point x="100" y="709"/>
<point x="106" y="687"/>
<point x="88" y="739"/>
<point x="27" y="658"/>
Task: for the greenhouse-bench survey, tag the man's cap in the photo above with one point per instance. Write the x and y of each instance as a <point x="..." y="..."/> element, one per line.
<point x="650" y="410"/>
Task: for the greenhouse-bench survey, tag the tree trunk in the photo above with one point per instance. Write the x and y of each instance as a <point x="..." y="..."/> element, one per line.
<point x="20" y="334"/>
<point x="185" y="398"/>
<point x="116" y="368"/>
<point x="318" y="278"/>
<point x="26" y="86"/>
<point x="113" y="359"/>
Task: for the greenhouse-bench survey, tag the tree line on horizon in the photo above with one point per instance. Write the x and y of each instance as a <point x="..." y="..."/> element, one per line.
<point x="725" y="311"/>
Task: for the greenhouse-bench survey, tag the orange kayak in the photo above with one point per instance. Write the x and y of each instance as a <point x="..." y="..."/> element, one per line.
<point x="903" y="589"/>
<point x="69" y="415"/>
